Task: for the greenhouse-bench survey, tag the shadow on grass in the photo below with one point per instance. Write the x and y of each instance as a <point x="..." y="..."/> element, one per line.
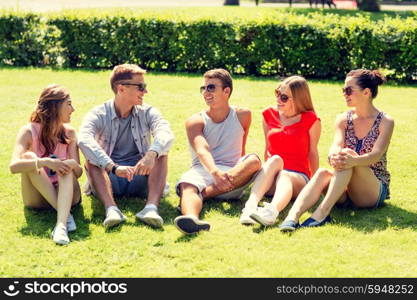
<point x="186" y="238"/>
<point x="130" y="207"/>
<point x="231" y="207"/>
<point x="369" y="220"/>
<point x="40" y="222"/>
<point x="365" y="220"/>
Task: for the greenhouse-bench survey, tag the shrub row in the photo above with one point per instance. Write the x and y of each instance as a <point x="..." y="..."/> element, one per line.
<point x="315" y="45"/>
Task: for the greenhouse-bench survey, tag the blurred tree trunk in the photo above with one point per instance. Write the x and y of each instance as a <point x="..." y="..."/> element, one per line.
<point x="369" y="5"/>
<point x="231" y="2"/>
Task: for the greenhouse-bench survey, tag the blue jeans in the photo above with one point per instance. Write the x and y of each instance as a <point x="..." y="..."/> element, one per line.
<point x="138" y="187"/>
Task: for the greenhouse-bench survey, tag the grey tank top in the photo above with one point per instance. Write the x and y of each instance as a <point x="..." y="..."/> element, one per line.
<point x="224" y="139"/>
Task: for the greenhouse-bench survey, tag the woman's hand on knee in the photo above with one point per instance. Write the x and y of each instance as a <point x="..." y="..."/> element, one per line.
<point x="346" y="159"/>
<point x="61" y="167"/>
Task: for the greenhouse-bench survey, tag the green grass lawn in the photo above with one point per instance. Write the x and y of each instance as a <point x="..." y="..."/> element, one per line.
<point x="362" y="243"/>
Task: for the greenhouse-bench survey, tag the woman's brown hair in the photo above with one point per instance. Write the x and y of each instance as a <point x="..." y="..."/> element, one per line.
<point x="300" y="93"/>
<point x="47" y="114"/>
<point x="368" y="79"/>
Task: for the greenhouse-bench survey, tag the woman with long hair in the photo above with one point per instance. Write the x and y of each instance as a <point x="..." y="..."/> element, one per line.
<point x="292" y="131"/>
<point x="46" y="155"/>
<point x="358" y="156"/>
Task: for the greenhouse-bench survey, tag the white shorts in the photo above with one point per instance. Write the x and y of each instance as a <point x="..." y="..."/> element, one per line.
<point x="201" y="178"/>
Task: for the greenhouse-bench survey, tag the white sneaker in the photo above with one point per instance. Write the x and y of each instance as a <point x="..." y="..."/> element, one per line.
<point x="245" y="218"/>
<point x="150" y="216"/>
<point x="60" y="235"/>
<point x="267" y="215"/>
<point x="71" y="226"/>
<point x="113" y="217"/>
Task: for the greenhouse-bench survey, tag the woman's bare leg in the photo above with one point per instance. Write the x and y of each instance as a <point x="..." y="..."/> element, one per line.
<point x="310" y="194"/>
<point x="264" y="180"/>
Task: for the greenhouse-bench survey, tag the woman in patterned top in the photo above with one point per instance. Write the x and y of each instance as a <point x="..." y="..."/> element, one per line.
<point x="358" y="156"/>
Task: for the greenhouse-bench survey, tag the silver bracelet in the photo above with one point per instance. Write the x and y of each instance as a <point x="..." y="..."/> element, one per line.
<point x="37" y="166"/>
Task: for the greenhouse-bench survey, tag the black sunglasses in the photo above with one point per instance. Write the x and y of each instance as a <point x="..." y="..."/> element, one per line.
<point x="140" y="86"/>
<point x="348" y="90"/>
<point x="209" y="87"/>
<point x="284" y="98"/>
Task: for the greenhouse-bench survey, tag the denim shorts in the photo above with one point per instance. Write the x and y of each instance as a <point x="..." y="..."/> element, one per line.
<point x="383" y="194"/>
<point x="121" y="187"/>
<point x="304" y="175"/>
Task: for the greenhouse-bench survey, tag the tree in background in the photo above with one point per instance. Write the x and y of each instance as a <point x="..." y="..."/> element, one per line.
<point x="231" y="2"/>
<point x="369" y="5"/>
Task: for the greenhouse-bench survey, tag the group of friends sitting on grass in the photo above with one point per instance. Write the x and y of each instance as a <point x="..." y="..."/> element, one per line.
<point x="126" y="144"/>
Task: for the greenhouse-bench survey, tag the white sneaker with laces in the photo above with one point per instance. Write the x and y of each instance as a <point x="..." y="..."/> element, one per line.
<point x="60" y="235"/>
<point x="71" y="226"/>
<point x="266" y="216"/>
<point x="113" y="217"/>
<point x="150" y="216"/>
<point x="245" y="218"/>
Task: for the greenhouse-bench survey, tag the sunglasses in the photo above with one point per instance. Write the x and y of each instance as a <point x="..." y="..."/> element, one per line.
<point x="209" y="88"/>
<point x="284" y="98"/>
<point x="348" y="90"/>
<point x="140" y="86"/>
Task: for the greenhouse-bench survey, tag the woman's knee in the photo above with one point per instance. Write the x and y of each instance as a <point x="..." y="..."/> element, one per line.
<point x="276" y="162"/>
<point x="253" y="162"/>
<point x="29" y="155"/>
<point x="323" y="173"/>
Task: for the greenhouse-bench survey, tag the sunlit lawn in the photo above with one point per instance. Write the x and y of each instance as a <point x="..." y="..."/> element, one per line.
<point x="364" y="243"/>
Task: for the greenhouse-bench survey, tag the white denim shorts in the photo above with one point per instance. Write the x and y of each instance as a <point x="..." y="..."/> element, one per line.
<point x="201" y="178"/>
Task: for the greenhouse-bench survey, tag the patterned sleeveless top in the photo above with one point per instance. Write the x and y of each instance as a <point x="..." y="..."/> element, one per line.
<point x="366" y="144"/>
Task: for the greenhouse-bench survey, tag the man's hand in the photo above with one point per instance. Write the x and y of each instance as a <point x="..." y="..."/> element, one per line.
<point x="222" y="180"/>
<point x="125" y="172"/>
<point x="145" y="165"/>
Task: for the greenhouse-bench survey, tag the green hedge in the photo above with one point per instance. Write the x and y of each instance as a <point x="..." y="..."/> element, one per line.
<point x="282" y="43"/>
<point x="21" y="39"/>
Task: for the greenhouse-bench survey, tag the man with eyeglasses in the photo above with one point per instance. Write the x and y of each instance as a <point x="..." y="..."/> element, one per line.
<point x="217" y="138"/>
<point x="121" y="161"/>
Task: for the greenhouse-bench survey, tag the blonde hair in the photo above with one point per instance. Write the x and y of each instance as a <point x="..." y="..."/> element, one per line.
<point x="300" y="93"/>
<point x="124" y="72"/>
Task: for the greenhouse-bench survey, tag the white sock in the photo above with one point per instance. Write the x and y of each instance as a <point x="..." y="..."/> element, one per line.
<point x="151" y="206"/>
<point x="112" y="207"/>
<point x="251" y="205"/>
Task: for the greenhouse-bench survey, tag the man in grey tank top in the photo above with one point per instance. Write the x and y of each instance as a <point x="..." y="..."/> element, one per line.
<point x="217" y="139"/>
<point x="121" y="161"/>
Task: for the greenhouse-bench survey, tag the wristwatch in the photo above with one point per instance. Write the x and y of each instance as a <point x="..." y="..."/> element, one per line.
<point x="114" y="168"/>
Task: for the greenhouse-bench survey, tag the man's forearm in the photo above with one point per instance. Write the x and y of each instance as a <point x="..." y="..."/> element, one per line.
<point x="207" y="160"/>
